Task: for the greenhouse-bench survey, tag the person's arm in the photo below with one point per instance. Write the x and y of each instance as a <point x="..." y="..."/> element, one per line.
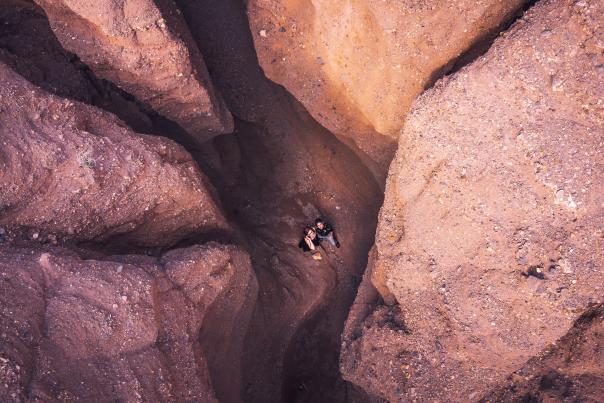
<point x="309" y="242"/>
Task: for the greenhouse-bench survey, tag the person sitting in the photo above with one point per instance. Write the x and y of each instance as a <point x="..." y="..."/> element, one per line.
<point x="326" y="231"/>
<point x="309" y="242"/>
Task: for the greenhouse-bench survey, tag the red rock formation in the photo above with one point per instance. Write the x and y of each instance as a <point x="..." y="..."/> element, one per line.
<point x="358" y="65"/>
<point x="489" y="240"/>
<point x="75" y="171"/>
<point x="145" y="48"/>
<point x="126" y="328"/>
<point x="28" y="46"/>
<point x="570" y="370"/>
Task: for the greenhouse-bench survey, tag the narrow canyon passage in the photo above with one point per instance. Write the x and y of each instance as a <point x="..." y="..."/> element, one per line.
<point x="276" y="173"/>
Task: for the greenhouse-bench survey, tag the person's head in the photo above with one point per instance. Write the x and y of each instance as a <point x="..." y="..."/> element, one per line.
<point x="310" y="231"/>
<point x="319" y="223"/>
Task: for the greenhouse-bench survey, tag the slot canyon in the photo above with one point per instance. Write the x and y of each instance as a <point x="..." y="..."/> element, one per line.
<point x="160" y="160"/>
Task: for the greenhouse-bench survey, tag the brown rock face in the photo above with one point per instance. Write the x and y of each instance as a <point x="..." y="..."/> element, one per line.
<point x="122" y="329"/>
<point x="75" y="171"/>
<point x="571" y="370"/>
<point x="358" y="65"/>
<point x="489" y="243"/>
<point x="144" y="47"/>
<point x="29" y="47"/>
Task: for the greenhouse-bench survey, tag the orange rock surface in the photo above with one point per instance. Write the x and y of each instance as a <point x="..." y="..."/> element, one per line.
<point x="489" y="242"/>
<point x="358" y="65"/>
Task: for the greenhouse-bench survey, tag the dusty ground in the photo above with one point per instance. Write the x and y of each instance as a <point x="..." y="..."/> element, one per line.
<point x="275" y="174"/>
<point x="489" y="240"/>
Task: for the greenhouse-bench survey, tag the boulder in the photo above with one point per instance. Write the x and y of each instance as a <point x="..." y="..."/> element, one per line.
<point x="570" y="370"/>
<point x="358" y="65"/>
<point x="144" y="47"/>
<point x="73" y="170"/>
<point x="29" y="47"/>
<point x="488" y="245"/>
<point x="123" y="329"/>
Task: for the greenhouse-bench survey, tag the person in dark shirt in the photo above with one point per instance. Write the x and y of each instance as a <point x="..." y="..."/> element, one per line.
<point x="325" y="231"/>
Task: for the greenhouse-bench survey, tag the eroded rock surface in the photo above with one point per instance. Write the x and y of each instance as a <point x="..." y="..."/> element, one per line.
<point x="29" y="47"/>
<point x="489" y="241"/>
<point x="357" y="65"/>
<point x="144" y="47"/>
<point x="72" y="170"/>
<point x="125" y="328"/>
<point x="570" y="370"/>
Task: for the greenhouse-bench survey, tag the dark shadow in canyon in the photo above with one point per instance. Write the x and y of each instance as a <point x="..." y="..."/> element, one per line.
<point x="276" y="173"/>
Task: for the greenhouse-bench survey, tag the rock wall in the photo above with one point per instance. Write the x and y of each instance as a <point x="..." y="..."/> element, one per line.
<point x="357" y="65"/>
<point x="488" y="245"/>
<point x="29" y="47"/>
<point x="124" y="328"/>
<point x="74" y="171"/>
<point x="570" y="369"/>
<point x="145" y="47"/>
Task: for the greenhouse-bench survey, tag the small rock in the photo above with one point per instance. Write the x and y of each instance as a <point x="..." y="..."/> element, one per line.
<point x="263" y="33"/>
<point x="565" y="265"/>
<point x="120" y="268"/>
<point x="52" y="239"/>
<point x="124" y="298"/>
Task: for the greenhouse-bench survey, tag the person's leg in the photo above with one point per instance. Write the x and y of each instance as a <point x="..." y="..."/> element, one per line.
<point x="334" y="240"/>
<point x="330" y="238"/>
